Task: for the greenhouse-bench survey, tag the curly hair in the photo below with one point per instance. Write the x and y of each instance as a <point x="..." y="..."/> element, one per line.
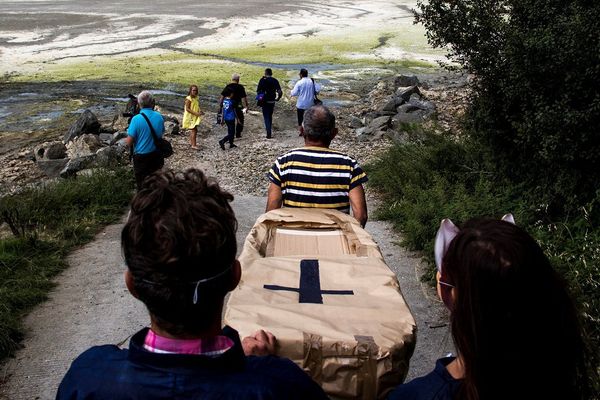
<point x="181" y="230"/>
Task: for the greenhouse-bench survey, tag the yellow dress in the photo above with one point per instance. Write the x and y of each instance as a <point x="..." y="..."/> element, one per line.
<point x="189" y="120"/>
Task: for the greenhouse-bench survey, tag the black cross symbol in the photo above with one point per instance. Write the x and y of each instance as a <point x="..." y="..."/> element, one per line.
<point x="310" y="284"/>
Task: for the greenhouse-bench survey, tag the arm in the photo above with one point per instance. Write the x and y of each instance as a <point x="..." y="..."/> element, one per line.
<point x="295" y="90"/>
<point x="358" y="203"/>
<point x="274" y="197"/>
<point x="245" y="99"/>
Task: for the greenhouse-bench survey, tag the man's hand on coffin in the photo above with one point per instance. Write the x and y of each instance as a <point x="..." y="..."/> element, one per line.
<point x="261" y="343"/>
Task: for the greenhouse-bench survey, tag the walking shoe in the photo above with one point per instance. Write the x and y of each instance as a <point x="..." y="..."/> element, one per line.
<point x="222" y="145"/>
<point x="269" y="137"/>
<point x="232" y="146"/>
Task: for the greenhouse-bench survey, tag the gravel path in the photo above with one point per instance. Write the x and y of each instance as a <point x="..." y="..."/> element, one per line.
<point x="91" y="305"/>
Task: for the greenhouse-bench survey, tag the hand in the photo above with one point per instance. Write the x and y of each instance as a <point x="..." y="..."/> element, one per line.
<point x="262" y="343"/>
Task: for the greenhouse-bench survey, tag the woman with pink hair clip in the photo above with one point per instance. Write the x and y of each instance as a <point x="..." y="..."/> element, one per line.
<point x="512" y="320"/>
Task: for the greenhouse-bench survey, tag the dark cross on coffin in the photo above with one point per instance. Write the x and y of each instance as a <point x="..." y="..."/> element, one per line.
<point x="310" y="284"/>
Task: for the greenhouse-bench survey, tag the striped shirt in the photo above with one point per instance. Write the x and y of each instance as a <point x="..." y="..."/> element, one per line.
<point x="316" y="177"/>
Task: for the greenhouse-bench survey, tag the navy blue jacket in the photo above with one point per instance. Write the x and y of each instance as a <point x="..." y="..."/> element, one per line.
<point x="108" y="372"/>
<point x="436" y="385"/>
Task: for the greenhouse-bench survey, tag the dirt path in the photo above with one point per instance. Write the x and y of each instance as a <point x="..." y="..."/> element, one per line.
<point x="91" y="306"/>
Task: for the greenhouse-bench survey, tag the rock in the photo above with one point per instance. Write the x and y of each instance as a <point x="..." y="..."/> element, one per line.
<point x="356" y="122"/>
<point x="110" y="156"/>
<point x="50" y="151"/>
<point x="398" y="137"/>
<point x="118" y="136"/>
<point x="171" y="128"/>
<point x="52" y="168"/>
<point x="105" y="138"/>
<point x="406" y="92"/>
<point x="407" y="108"/>
<point x="415" y="117"/>
<point x="380" y="123"/>
<point x="83" y="146"/>
<point x="77" y="164"/>
<point x="422" y="104"/>
<point x="390" y="105"/>
<point x="86" y="123"/>
<point x="405" y="80"/>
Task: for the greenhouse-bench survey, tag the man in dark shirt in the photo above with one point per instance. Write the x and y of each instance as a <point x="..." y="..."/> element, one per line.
<point x="271" y="89"/>
<point x="239" y="96"/>
<point x="179" y="245"/>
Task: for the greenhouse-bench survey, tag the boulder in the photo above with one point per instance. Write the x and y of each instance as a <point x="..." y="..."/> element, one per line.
<point x="405" y="80"/>
<point x="112" y="155"/>
<point x="52" y="168"/>
<point x="77" y="164"/>
<point x="86" y="123"/>
<point x="356" y="122"/>
<point x="50" y="151"/>
<point x="414" y="117"/>
<point x="105" y="138"/>
<point x="118" y="136"/>
<point x="83" y="146"/>
<point x="171" y="128"/>
<point x="406" y="92"/>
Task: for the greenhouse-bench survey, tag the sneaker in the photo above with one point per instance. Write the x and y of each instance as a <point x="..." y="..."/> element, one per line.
<point x="232" y="146"/>
<point x="222" y="145"/>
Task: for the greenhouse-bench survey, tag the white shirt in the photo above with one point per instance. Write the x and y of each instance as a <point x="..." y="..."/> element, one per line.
<point x="305" y="92"/>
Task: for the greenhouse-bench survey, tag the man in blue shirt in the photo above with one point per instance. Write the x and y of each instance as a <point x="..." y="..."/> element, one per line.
<point x="179" y="244"/>
<point x="146" y="158"/>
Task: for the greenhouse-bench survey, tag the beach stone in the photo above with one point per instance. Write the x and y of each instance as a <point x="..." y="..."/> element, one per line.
<point x="86" y="123"/>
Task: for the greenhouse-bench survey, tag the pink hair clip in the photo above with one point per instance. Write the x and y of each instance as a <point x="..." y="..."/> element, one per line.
<point x="446" y="233"/>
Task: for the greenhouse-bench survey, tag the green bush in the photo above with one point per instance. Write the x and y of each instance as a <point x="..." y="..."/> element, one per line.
<point x="47" y="222"/>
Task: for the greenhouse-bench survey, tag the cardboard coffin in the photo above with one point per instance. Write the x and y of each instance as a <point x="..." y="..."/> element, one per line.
<point x="318" y="281"/>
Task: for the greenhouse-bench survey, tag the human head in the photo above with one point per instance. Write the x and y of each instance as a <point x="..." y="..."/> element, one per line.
<point x="303" y="73"/>
<point x="319" y="125"/>
<point x="235" y="77"/>
<point x="181" y="230"/>
<point x="268" y="72"/>
<point x="510" y="314"/>
<point x="145" y="99"/>
<point x="192" y="87"/>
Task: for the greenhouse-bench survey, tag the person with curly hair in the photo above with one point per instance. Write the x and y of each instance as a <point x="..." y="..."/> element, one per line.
<point x="179" y="245"/>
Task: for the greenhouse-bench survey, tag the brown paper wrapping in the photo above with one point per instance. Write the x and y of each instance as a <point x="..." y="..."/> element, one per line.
<point x="355" y="346"/>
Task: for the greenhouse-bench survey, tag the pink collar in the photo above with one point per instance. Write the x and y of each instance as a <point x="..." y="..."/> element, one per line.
<point x="209" y="347"/>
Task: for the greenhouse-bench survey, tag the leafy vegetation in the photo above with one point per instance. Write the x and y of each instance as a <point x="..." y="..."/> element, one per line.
<point x="45" y="224"/>
<point x="530" y="142"/>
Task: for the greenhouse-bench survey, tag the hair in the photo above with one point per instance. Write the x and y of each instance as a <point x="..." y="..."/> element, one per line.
<point x="235" y="77"/>
<point x="304" y="72"/>
<point x="512" y="320"/>
<point x="145" y="99"/>
<point x="319" y="124"/>
<point x="192" y="87"/>
<point x="268" y="72"/>
<point x="181" y="229"/>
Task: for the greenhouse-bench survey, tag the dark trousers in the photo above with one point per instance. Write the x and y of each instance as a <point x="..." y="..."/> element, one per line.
<point x="230" y="132"/>
<point x="267" y="110"/>
<point x="146" y="164"/>
<point x="240" y="123"/>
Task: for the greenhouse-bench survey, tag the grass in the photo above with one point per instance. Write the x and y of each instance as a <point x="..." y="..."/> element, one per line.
<point x="47" y="223"/>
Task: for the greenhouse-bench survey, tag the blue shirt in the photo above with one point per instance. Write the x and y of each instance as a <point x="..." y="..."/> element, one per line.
<point x="140" y="131"/>
<point x="228" y="110"/>
<point x="436" y="385"/>
<point x="108" y="372"/>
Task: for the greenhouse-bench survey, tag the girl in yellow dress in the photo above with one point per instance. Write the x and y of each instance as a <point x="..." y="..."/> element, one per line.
<point x="191" y="115"/>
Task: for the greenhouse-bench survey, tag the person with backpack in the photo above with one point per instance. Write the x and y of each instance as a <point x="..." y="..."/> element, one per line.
<point x="271" y="92"/>
<point x="229" y="118"/>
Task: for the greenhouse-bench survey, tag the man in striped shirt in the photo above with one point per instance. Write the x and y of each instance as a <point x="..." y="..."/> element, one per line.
<point x="316" y="176"/>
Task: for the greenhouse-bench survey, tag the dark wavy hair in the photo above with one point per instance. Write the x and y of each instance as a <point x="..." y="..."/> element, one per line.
<point x="181" y="229"/>
<point x="512" y="321"/>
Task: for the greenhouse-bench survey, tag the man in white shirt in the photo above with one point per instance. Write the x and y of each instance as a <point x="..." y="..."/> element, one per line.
<point x="305" y="89"/>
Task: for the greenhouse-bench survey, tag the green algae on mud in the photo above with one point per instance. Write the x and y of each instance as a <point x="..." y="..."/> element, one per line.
<point x="211" y="67"/>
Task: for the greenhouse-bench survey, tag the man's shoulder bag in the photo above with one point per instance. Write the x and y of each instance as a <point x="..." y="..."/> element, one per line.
<point x="162" y="145"/>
